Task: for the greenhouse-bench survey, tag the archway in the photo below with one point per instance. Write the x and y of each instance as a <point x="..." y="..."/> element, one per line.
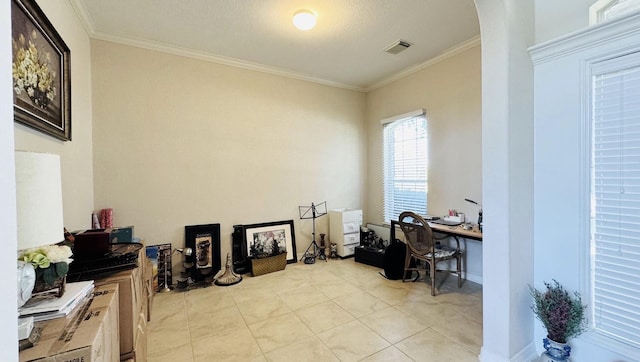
<point x="507" y="30"/>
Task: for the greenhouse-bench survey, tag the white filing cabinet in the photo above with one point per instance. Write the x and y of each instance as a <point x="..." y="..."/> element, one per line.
<point x="344" y="230"/>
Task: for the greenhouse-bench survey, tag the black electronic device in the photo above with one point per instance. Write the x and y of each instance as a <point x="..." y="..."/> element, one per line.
<point x="91" y="244"/>
<point x="119" y="257"/>
<point x="238" y="250"/>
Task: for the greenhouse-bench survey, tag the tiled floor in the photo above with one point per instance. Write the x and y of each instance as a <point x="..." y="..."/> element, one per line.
<point x="338" y="310"/>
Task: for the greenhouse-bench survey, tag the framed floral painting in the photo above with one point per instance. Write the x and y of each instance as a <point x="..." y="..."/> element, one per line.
<point x="41" y="72"/>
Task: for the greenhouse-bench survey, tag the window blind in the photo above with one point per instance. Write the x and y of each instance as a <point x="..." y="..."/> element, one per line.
<point x="615" y="199"/>
<point x="405" y="166"/>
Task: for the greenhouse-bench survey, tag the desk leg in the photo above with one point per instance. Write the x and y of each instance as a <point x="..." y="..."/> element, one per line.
<point x="392" y="231"/>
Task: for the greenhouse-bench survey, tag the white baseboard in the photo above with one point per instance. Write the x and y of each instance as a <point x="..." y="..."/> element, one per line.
<point x="473" y="278"/>
<point x="527" y="354"/>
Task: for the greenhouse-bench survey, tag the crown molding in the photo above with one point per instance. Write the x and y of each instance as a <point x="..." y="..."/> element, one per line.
<point x="456" y="49"/>
<point x="233" y="62"/>
<point x="82" y="13"/>
<point x="88" y="24"/>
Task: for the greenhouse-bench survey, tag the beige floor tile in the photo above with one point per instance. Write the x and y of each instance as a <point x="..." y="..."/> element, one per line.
<point x="335" y="288"/>
<point x="208" y="299"/>
<point x="473" y="311"/>
<point x="308" y="349"/>
<point x="279" y="332"/>
<point x="235" y="344"/>
<point x="360" y="304"/>
<point x="166" y="304"/>
<point x="323" y="316"/>
<point x="429" y="345"/>
<point x="457" y="297"/>
<point x="392" y="324"/>
<point x="206" y="324"/>
<point x="353" y="341"/>
<point x="464" y="330"/>
<point x="246" y="293"/>
<point x="176" y="319"/>
<point x="302" y="296"/>
<point x="428" y="311"/>
<point x="180" y="353"/>
<point x="392" y="293"/>
<point x="166" y="339"/>
<point x="321" y="275"/>
<point x="169" y="331"/>
<point x="388" y="354"/>
<point x="327" y="311"/>
<point x="277" y="281"/>
<point x="362" y="273"/>
<point x="262" y="308"/>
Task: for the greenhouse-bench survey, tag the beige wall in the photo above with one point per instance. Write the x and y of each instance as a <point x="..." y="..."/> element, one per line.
<point x="180" y="141"/>
<point x="76" y="157"/>
<point x="450" y="91"/>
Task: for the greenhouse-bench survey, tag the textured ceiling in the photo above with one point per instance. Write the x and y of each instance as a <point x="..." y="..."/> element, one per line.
<point x="346" y="48"/>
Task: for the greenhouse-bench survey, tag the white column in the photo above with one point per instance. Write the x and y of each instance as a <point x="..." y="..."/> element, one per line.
<point x="8" y="257"/>
<point x="507" y="30"/>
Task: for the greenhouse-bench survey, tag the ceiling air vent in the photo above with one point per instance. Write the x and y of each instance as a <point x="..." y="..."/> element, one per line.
<point x="397" y="47"/>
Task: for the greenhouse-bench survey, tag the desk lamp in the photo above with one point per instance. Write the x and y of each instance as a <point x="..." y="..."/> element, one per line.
<point x="479" y="213"/>
<point x="39" y="215"/>
<point x="38" y="200"/>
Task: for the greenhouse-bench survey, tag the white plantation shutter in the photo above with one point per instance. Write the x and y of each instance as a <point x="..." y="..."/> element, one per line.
<point x="615" y="198"/>
<point x="405" y="165"/>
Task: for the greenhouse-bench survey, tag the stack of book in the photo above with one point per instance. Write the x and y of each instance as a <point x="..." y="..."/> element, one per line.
<point x="36" y="310"/>
<point x="45" y="309"/>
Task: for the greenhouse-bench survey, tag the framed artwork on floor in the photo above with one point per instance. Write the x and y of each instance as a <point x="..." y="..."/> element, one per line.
<point x="270" y="237"/>
<point x="160" y="257"/>
<point x="205" y="260"/>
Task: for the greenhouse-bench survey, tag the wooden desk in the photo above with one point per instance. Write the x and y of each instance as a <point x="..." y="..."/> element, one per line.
<point x="455" y="231"/>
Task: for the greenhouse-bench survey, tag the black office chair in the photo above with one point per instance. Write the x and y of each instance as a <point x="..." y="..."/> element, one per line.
<point x="422" y="245"/>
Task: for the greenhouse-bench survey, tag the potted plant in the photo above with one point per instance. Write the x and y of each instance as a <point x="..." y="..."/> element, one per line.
<point x="562" y="315"/>
<point x="266" y="254"/>
<point x="51" y="263"/>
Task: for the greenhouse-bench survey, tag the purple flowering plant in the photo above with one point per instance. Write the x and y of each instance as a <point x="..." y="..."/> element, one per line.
<point x="562" y="315"/>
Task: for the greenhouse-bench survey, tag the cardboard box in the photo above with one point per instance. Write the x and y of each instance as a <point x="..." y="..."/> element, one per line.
<point x="130" y="303"/>
<point x="141" y="342"/>
<point x="88" y="333"/>
<point x="139" y="352"/>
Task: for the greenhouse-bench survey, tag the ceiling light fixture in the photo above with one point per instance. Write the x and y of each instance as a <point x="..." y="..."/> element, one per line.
<point x="304" y="19"/>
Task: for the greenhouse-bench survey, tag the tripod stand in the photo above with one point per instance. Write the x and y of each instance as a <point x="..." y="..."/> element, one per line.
<point x="313" y="250"/>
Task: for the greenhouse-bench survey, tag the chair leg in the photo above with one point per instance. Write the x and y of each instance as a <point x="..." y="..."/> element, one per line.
<point x="432" y="271"/>
<point x="459" y="267"/>
<point x="407" y="261"/>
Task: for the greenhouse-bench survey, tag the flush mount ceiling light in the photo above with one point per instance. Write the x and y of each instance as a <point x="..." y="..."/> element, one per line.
<point x="304" y="19"/>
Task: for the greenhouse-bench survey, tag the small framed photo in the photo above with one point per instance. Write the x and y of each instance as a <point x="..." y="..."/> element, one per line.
<point x="204" y="240"/>
<point x="41" y="72"/>
<point x="271" y="238"/>
<point x="160" y="257"/>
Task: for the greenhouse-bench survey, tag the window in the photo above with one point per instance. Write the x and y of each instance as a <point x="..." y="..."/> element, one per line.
<point x="405" y="164"/>
<point x="615" y="198"/>
<point x="603" y="10"/>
